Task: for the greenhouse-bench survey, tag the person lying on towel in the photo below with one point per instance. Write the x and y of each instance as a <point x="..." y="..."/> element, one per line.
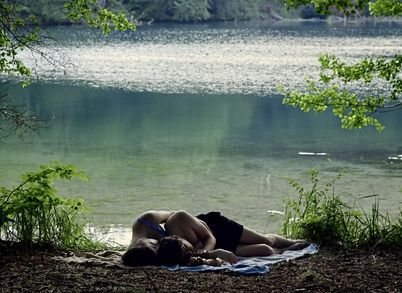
<point x="205" y="239"/>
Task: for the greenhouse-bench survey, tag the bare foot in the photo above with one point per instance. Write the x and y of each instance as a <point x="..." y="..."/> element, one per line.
<point x="298" y="245"/>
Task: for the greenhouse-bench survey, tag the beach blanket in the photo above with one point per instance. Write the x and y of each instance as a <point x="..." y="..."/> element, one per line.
<point x="245" y="265"/>
<point x="251" y="265"/>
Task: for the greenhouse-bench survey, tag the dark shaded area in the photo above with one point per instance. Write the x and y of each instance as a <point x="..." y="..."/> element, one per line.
<point x="331" y="270"/>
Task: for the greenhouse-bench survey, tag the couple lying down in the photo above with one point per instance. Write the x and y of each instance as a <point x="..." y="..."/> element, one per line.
<point x="205" y="239"/>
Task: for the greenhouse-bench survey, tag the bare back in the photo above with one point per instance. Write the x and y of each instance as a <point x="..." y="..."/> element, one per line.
<point x="190" y="228"/>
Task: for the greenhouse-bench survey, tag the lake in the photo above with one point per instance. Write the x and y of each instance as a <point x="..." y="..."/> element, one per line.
<point x="188" y="117"/>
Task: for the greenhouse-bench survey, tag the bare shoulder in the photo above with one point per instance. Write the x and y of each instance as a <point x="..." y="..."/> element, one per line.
<point x="156" y="217"/>
<point x="148" y="215"/>
<point x="181" y="215"/>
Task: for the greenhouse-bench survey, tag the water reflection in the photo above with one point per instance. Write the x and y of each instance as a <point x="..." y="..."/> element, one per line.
<point x="197" y="152"/>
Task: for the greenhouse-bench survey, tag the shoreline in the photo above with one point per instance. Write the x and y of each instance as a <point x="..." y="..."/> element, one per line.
<point x="331" y="19"/>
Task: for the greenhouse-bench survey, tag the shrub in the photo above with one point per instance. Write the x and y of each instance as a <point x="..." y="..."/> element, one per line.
<point x="33" y="212"/>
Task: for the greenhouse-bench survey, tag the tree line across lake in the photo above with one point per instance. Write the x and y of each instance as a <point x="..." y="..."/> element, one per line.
<point x="52" y="12"/>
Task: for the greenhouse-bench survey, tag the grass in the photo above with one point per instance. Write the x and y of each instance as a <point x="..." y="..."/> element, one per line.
<point x="318" y="214"/>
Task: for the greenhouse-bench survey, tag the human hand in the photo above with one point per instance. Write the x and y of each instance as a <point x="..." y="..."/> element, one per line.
<point x="216" y="262"/>
<point x="225" y="255"/>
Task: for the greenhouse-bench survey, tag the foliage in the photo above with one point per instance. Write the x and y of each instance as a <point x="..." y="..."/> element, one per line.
<point x="355" y="111"/>
<point x="19" y="31"/>
<point x="235" y="9"/>
<point x="321" y="216"/>
<point x="53" y="11"/>
<point x="330" y="90"/>
<point x="15" y="36"/>
<point x="33" y="212"/>
<point x="188" y="10"/>
<point x="386" y="7"/>
<point x="170" y="10"/>
<point x="196" y="10"/>
<point x="349" y="7"/>
<point x="98" y="17"/>
<point x="45" y="11"/>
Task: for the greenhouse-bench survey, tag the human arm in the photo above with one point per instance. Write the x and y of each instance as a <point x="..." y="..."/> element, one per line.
<point x="192" y="229"/>
<point x="209" y="242"/>
<point x="225" y="255"/>
<point x="202" y="231"/>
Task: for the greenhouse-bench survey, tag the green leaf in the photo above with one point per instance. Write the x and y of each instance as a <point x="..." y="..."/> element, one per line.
<point x="330" y="90"/>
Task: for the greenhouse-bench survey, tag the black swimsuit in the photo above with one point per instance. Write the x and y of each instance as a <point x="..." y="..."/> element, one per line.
<point x="226" y="231"/>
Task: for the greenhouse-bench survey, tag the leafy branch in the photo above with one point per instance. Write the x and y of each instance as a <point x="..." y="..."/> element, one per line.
<point x="95" y="16"/>
<point x="17" y="119"/>
<point x="330" y="90"/>
<point x="20" y="33"/>
<point x="14" y="38"/>
<point x="355" y="111"/>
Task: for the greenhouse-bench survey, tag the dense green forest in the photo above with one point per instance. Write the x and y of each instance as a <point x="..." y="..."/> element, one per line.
<point x="52" y="12"/>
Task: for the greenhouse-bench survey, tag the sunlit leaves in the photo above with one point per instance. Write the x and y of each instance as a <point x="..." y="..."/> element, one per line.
<point x="354" y="110"/>
<point x="95" y="16"/>
<point x="350" y="7"/>
<point x="15" y="36"/>
<point x="386" y="7"/>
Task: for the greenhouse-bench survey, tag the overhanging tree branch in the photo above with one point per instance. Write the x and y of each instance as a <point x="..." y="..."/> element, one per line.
<point x="22" y="34"/>
<point x="332" y="90"/>
<point x="16" y="119"/>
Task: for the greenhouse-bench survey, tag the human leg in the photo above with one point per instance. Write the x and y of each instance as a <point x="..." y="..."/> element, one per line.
<point x="282" y="242"/>
<point x="248" y="250"/>
<point x="251" y="237"/>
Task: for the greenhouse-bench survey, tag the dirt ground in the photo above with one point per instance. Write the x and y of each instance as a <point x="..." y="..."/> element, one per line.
<point x="331" y="270"/>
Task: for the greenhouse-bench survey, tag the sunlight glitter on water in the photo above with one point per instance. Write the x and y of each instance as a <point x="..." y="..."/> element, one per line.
<point x="219" y="60"/>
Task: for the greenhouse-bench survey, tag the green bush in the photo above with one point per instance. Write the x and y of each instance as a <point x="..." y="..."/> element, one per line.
<point x="33" y="213"/>
<point x="321" y="216"/>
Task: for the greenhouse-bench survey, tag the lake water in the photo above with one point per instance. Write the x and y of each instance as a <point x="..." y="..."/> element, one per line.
<point x="188" y="117"/>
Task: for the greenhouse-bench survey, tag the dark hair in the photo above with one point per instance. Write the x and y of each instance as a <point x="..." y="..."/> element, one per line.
<point x="172" y="251"/>
<point x="140" y="255"/>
